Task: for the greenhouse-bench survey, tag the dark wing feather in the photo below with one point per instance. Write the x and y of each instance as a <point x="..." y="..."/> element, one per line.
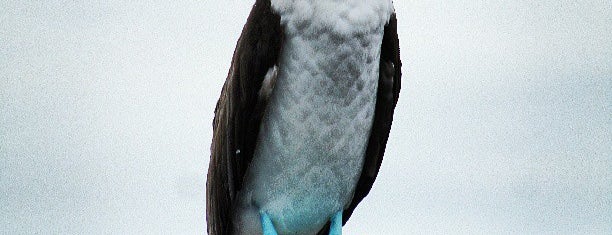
<point x="238" y="114"/>
<point x="388" y="93"/>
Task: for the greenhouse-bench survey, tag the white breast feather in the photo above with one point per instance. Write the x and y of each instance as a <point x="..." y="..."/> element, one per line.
<point x="314" y="133"/>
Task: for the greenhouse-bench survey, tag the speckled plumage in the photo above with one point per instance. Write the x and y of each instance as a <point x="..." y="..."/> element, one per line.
<point x="314" y="132"/>
<point x="315" y="63"/>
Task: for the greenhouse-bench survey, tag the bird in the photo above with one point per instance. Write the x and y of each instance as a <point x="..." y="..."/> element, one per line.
<point x="304" y="115"/>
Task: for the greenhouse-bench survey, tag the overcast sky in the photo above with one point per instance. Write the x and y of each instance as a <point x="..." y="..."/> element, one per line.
<point x="503" y="124"/>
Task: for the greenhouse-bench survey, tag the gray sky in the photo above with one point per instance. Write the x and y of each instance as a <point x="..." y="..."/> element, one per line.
<point x="503" y="124"/>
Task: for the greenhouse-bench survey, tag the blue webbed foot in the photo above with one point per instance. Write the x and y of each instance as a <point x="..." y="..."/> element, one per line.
<point x="336" y="224"/>
<point x="266" y="224"/>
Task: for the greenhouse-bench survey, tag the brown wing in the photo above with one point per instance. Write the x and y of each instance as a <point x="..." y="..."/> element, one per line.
<point x="388" y="93"/>
<point x="238" y="114"/>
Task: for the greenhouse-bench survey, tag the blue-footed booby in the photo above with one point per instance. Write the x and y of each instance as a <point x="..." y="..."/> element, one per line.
<point x="303" y="119"/>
